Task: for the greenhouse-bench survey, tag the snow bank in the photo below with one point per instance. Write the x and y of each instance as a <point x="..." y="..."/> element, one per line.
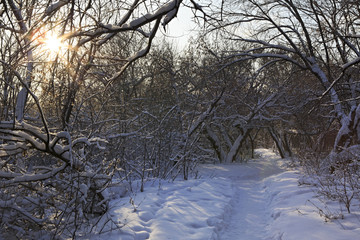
<point x="193" y="209"/>
<point x="296" y="213"/>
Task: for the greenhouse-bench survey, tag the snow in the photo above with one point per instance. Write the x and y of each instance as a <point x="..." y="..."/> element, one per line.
<point x="261" y="199"/>
<point x="55" y="6"/>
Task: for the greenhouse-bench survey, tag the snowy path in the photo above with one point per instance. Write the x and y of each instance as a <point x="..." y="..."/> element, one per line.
<point x="260" y="200"/>
<point x="249" y="216"/>
<point x="249" y="220"/>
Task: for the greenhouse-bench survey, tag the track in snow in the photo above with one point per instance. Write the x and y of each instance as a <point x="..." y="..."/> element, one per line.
<point x="248" y="216"/>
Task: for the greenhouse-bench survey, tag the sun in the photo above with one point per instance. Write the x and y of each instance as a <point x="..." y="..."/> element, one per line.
<point x="51" y="45"/>
<point x="52" y="42"/>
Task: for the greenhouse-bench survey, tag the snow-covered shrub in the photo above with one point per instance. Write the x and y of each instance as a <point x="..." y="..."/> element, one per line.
<point x="43" y="194"/>
<point x="338" y="176"/>
<point x="343" y="181"/>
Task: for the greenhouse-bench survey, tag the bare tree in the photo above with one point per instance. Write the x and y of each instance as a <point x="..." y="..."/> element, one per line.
<point x="252" y="102"/>
<point x="318" y="38"/>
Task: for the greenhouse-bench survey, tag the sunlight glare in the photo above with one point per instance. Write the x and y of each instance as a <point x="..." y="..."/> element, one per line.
<point x="52" y="42"/>
<point x="52" y="45"/>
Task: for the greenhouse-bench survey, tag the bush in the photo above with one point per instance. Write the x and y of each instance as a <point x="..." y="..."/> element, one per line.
<point x="338" y="176"/>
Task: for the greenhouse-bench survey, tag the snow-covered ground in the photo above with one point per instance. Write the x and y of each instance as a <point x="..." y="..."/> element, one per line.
<point x="258" y="200"/>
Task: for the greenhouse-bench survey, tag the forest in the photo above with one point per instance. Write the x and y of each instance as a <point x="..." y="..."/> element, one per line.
<point x="91" y="96"/>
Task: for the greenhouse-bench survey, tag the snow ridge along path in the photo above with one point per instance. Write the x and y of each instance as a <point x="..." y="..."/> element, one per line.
<point x="258" y="200"/>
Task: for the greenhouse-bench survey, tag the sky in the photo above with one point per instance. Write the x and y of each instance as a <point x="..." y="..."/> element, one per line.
<point x="181" y="28"/>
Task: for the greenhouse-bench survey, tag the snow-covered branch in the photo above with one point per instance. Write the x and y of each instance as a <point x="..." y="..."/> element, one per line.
<point x="56" y="6"/>
<point x="166" y="12"/>
<point x="204" y="115"/>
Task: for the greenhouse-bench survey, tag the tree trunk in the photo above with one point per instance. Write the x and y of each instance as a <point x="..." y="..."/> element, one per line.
<point x="349" y="132"/>
<point x="235" y="148"/>
<point x="284" y="149"/>
<point x="216" y="144"/>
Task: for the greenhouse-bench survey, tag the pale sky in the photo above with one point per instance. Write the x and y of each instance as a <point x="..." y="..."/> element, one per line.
<point x="181" y="28"/>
